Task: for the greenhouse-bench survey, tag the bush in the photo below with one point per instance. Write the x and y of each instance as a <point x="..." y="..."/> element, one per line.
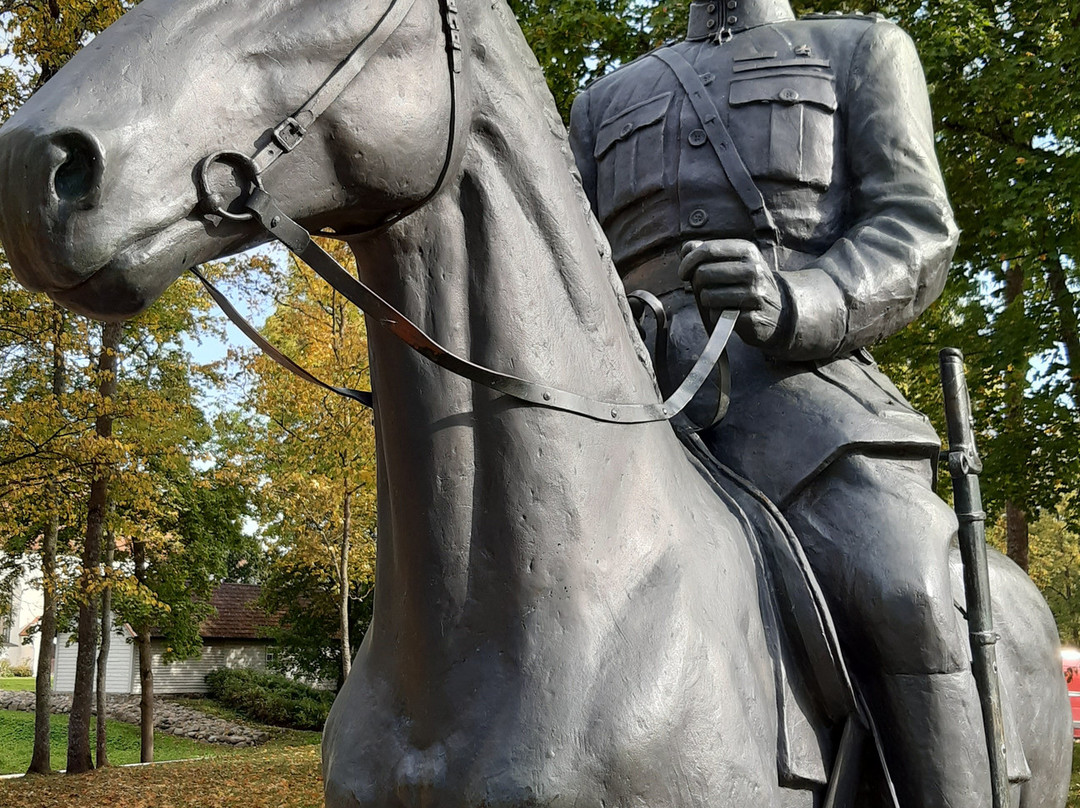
<point x="7" y="669"/>
<point x="270" y="698"/>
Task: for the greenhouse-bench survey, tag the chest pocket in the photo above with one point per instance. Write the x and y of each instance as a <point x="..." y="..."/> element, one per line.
<point x="784" y="125"/>
<point x="629" y="155"/>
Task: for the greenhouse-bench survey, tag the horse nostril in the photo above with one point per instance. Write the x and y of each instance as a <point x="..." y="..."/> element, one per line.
<point x="77" y="178"/>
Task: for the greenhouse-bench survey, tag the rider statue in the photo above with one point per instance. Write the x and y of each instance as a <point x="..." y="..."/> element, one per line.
<point x="785" y="168"/>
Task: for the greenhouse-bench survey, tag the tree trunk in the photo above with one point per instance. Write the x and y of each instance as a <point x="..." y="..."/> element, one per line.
<point x="40" y="761"/>
<point x="78" y="752"/>
<point x="103" y="656"/>
<point x="146" y="670"/>
<point x="343" y="608"/>
<point x="1016" y="526"/>
<point x="1016" y="534"/>
<point x="1068" y="322"/>
<point x="146" y="698"/>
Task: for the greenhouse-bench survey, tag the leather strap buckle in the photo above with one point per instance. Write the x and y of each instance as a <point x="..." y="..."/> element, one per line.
<point x="288" y="134"/>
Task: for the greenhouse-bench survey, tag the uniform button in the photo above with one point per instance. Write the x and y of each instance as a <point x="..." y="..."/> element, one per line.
<point x="732" y="4"/>
<point x="626" y="130"/>
<point x="712" y="8"/>
<point x="698" y="137"/>
<point x="710" y="24"/>
<point x="698" y="218"/>
<point x="732" y="20"/>
<point x="789" y="95"/>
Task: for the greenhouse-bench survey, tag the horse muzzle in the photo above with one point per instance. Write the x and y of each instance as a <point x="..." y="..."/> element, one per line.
<point x="50" y="189"/>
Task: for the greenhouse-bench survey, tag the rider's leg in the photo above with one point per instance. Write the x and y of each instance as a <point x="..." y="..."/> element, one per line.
<point x="878" y="539"/>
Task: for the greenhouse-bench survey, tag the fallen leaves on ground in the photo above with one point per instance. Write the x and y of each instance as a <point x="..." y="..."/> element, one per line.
<point x="273" y="778"/>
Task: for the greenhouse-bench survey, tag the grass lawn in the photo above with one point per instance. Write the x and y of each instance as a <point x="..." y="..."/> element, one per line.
<point x="16" y="682"/>
<point x="17" y="743"/>
<point x="282" y="774"/>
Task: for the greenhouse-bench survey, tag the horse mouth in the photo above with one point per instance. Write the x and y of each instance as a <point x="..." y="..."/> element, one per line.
<point x="108" y="294"/>
<point x="129" y="282"/>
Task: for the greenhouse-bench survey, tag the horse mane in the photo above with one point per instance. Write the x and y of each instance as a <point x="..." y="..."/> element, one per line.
<point x="498" y="44"/>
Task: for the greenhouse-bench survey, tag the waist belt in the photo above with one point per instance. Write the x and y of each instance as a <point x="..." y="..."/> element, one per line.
<point x="660" y="274"/>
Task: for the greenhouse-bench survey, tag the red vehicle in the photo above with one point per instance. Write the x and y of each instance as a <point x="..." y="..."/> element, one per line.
<point x="1070" y="665"/>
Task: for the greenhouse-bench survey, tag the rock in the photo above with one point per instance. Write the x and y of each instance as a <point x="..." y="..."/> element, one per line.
<point x="171" y="717"/>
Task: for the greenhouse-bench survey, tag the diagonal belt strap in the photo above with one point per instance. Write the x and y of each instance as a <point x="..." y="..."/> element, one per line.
<point x="720" y="140"/>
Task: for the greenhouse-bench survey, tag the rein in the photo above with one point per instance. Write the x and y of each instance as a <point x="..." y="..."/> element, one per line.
<point x="261" y="207"/>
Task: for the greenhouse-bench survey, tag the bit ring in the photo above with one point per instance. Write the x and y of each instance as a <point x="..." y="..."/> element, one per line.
<point x="214" y="203"/>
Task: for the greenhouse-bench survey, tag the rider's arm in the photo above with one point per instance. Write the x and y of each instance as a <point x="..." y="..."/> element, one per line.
<point x="892" y="262"/>
<point x="581" y="142"/>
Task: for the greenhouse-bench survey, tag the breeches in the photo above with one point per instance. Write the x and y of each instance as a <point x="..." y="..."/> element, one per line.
<point x="878" y="538"/>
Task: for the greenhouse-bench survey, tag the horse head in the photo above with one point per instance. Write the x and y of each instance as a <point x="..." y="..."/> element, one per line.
<point x="98" y="170"/>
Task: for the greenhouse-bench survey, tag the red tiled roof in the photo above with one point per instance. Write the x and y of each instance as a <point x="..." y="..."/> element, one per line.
<point x="237" y="616"/>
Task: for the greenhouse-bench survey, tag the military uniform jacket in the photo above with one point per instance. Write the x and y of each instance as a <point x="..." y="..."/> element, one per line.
<point x="831" y="117"/>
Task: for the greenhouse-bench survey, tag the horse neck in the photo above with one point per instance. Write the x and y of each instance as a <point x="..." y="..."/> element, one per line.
<point x="482" y="497"/>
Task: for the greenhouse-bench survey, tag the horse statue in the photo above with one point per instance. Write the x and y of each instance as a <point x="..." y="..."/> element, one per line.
<point x="570" y="611"/>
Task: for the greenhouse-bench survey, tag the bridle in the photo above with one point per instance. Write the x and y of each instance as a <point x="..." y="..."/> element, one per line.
<point x="261" y="207"/>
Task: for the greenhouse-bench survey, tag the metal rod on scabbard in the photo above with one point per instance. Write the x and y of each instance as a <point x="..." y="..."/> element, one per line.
<point x="964" y="468"/>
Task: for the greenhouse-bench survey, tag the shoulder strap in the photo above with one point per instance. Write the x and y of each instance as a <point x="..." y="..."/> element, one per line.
<point x="720" y="140"/>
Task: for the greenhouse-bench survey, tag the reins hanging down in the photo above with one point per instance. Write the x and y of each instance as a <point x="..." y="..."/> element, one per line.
<point x="262" y="207"/>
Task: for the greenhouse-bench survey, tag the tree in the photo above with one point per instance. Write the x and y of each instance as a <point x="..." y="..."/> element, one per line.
<point x="317" y="455"/>
<point x="41" y="37"/>
<point x="40" y="484"/>
<point x="177" y="525"/>
<point x="89" y="585"/>
<point x="306" y="598"/>
<point x="178" y="560"/>
<point x="108" y="556"/>
<point x="1055" y="565"/>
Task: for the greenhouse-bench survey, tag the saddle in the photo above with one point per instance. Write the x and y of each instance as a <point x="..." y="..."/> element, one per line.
<point x="816" y="695"/>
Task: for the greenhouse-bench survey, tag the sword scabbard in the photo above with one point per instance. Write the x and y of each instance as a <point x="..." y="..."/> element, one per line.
<point x="964" y="467"/>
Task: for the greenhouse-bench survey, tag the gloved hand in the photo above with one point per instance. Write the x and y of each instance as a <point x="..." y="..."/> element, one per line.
<point x="733" y="274"/>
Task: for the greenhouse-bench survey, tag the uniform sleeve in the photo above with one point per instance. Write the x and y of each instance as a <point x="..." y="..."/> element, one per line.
<point x="892" y="262"/>
<point x="581" y="142"/>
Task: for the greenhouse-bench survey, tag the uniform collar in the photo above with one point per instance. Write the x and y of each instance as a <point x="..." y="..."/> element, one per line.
<point x="710" y="18"/>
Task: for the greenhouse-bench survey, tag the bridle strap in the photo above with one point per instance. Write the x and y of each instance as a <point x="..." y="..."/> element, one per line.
<point x="288" y="134"/>
<point x="362" y="396"/>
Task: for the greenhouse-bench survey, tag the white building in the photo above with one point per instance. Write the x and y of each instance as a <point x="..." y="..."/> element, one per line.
<point x="18" y="645"/>
<point x="234" y="637"/>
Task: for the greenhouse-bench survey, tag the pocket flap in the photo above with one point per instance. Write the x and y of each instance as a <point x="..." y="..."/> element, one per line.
<point x="792" y="88"/>
<point x="629" y="121"/>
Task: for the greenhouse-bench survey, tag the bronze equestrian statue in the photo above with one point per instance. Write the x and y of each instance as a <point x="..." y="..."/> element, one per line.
<point x="573" y="607"/>
<point x="815" y="206"/>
